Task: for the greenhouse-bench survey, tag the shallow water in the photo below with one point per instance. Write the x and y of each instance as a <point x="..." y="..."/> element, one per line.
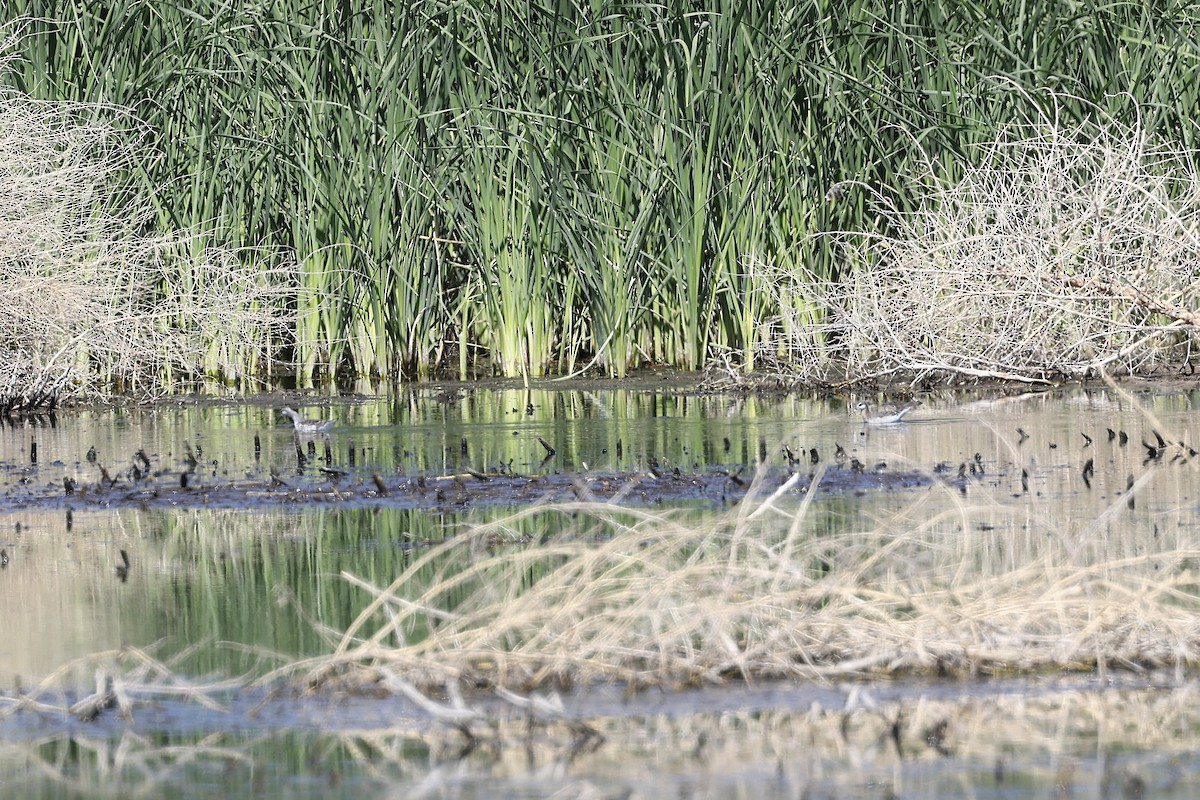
<point x="1074" y="736"/>
<point x="247" y="560"/>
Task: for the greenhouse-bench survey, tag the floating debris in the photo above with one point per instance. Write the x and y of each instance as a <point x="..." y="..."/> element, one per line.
<point x="122" y="569"/>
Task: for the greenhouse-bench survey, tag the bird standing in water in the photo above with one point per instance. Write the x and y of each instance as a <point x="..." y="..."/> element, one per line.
<point x="307" y="427"/>
<point x="889" y="418"/>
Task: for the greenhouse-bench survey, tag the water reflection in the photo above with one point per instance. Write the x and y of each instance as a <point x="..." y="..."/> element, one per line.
<point x="263" y="581"/>
<point x="1005" y="742"/>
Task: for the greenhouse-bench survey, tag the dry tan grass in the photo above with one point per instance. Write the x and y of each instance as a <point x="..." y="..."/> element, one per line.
<point x="91" y="304"/>
<point x="650" y="598"/>
<point x="123" y="679"/>
<point x="1064" y="248"/>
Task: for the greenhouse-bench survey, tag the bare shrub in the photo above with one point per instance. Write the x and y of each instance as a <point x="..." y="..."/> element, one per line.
<point x="89" y="303"/>
<point x="1066" y="247"/>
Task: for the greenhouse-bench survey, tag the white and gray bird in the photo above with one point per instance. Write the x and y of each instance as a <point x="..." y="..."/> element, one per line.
<point x="888" y="416"/>
<point x="307" y="427"/>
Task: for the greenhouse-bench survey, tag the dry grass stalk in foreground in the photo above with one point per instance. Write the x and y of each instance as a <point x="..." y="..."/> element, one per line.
<point x="123" y="679"/>
<point x="650" y="598"/>
<point x="1062" y="250"/>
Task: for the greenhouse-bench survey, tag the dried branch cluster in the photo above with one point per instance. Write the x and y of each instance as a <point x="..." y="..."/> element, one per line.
<point x="664" y="601"/>
<point x="1061" y="251"/>
<point x="90" y="304"/>
<point x="123" y="678"/>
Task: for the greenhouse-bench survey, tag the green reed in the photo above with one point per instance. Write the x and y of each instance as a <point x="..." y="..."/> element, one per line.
<point x="483" y="187"/>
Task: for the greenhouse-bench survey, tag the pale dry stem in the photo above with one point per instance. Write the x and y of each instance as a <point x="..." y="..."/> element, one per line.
<point x="663" y="601"/>
<point x="123" y="679"/>
<point x="1062" y="250"/>
<point x="91" y="303"/>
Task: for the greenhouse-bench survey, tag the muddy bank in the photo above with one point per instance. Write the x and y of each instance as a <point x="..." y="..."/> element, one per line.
<point x="259" y="708"/>
<point x="448" y="492"/>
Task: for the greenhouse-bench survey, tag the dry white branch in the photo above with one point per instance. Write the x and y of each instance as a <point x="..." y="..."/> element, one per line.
<point x="1059" y="251"/>
<point x="92" y="304"/>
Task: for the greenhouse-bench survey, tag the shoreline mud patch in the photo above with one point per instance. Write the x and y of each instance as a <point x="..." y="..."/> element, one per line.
<point x="446" y="492"/>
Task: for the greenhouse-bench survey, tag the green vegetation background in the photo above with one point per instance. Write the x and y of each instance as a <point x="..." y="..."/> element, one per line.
<point x="527" y="187"/>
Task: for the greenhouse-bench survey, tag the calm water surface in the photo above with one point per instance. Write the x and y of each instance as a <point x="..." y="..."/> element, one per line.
<point x="260" y="581"/>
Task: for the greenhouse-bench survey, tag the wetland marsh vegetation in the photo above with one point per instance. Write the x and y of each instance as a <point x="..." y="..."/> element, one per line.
<point x="230" y="196"/>
<point x="822" y="191"/>
<point x="453" y="635"/>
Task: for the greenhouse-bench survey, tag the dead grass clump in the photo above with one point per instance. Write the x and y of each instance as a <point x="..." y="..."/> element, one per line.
<point x="123" y="680"/>
<point x="757" y="593"/>
<point x="1065" y="247"/>
<point x="90" y="304"/>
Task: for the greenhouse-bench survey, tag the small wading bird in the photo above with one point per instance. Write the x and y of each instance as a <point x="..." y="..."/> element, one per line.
<point x="307" y="427"/>
<point x="888" y="417"/>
